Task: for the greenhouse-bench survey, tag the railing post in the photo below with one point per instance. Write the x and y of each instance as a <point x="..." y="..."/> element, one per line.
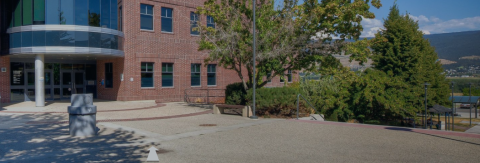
<point x="208" y="95"/>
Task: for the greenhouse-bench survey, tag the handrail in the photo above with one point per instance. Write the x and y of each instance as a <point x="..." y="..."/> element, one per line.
<point x="298" y="104"/>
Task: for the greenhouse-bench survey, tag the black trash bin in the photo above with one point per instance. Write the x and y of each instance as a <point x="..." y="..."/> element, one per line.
<point x="82" y="115"/>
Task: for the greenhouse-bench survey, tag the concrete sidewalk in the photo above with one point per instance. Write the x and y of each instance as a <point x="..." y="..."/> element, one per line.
<point x="229" y="138"/>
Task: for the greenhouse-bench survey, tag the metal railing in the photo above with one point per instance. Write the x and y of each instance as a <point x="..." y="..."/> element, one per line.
<point x="298" y="105"/>
<point x="204" y="94"/>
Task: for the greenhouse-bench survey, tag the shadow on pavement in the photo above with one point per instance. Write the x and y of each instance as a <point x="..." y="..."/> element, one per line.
<point x="20" y="142"/>
<point x="410" y="130"/>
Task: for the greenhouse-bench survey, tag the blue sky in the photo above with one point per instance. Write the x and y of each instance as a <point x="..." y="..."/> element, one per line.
<point x="434" y="16"/>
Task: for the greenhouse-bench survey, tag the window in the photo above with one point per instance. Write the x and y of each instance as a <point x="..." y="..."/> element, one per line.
<point x="67" y="12"/>
<point x="94" y="13"/>
<point x="81" y="13"/>
<point x="27" y="12"/>
<point x="108" y="75"/>
<point x="18" y="13"/>
<point x="281" y="79"/>
<point x="146" y="17"/>
<point x="39" y="12"/>
<point x="193" y="23"/>
<point x="120" y="19"/>
<point x="195" y="79"/>
<point x="105" y="13"/>
<point x="167" y="20"/>
<point x="113" y="14"/>
<point x="289" y="76"/>
<point x="211" y="75"/>
<point x="147" y="74"/>
<point x="167" y="74"/>
<point x="210" y="22"/>
<point x="268" y="75"/>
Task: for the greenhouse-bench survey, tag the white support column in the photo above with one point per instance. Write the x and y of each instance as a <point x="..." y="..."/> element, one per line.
<point x="39" y="80"/>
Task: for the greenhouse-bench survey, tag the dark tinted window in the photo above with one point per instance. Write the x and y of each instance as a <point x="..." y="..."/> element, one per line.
<point x="94" y="14"/>
<point x="81" y="12"/>
<point x="167" y="20"/>
<point x="16" y="39"/>
<point x="108" y="75"/>
<point x="195" y="75"/>
<point x="147" y="74"/>
<point x="94" y="40"/>
<point x="67" y="38"/>
<point x="16" y="73"/>
<point x="17" y="13"/>
<point x="39" y="38"/>
<point x="52" y="12"/>
<point x="146" y="17"/>
<point x="193" y="23"/>
<point x="113" y="14"/>
<point x="105" y="14"/>
<point x="38" y="11"/>
<point x="27" y="12"/>
<point x="81" y="39"/>
<point x="210" y="22"/>
<point x="212" y="75"/>
<point x="66" y="12"/>
<point x="26" y="39"/>
<point x="106" y="41"/>
<point x="167" y="74"/>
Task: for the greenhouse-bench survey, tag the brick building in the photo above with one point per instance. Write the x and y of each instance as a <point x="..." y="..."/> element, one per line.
<point x="114" y="49"/>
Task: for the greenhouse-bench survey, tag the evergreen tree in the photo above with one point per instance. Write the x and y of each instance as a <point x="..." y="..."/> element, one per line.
<point x="402" y="53"/>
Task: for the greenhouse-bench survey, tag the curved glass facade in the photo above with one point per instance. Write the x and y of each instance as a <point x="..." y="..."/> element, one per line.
<point x="64" y="38"/>
<point x="96" y="13"/>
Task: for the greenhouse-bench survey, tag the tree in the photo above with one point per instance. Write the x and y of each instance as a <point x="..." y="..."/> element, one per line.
<point x="403" y="62"/>
<point x="289" y="37"/>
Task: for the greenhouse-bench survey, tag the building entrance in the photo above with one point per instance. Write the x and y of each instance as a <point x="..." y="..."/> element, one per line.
<point x="61" y="81"/>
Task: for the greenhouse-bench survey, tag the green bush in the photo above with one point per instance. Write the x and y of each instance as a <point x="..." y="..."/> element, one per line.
<point x="235" y="94"/>
<point x="279" y="101"/>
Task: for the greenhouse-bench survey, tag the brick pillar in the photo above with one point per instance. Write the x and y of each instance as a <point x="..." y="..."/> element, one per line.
<point x="5" y="79"/>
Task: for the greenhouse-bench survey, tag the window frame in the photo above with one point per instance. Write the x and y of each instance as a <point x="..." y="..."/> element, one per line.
<point x="153" y="17"/>
<point x="161" y="19"/>
<point x="268" y="75"/>
<point x="199" y="72"/>
<point x="194" y="23"/>
<point x="210" y="23"/>
<point x="147" y="72"/>
<point x="172" y="72"/>
<point x="120" y="18"/>
<point x="210" y="72"/>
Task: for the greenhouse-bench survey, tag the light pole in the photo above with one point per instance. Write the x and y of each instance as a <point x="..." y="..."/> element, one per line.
<point x="425" y="122"/>
<point x="254" y="62"/>
<point x="453" y="111"/>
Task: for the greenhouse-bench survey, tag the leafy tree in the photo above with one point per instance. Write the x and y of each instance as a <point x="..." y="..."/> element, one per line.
<point x="290" y="37"/>
<point x="475" y="91"/>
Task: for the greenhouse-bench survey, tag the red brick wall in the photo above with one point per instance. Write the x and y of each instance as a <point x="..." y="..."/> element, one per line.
<point x="179" y="48"/>
<point x="5" y="79"/>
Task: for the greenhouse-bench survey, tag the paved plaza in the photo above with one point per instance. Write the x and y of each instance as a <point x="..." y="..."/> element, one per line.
<point x="185" y="133"/>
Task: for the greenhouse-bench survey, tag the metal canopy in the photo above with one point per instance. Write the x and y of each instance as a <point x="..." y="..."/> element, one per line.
<point x="465" y="99"/>
<point x="440" y="109"/>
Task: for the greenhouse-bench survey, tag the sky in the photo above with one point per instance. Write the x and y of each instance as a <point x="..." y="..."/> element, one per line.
<point x="433" y="16"/>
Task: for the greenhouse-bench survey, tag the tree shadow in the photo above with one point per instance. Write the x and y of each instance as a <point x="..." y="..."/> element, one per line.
<point x="30" y="142"/>
<point x="410" y="130"/>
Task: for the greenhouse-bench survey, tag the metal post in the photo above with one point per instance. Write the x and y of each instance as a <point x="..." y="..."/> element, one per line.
<point x="298" y="105"/>
<point x="425" y="122"/>
<point x="208" y="95"/>
<point x="453" y="111"/>
<point x="470" y="104"/>
<point x="39" y="80"/>
<point x="254" y="62"/>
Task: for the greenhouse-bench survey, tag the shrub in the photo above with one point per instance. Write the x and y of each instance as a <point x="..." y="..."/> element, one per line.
<point x="279" y="101"/>
<point x="235" y="94"/>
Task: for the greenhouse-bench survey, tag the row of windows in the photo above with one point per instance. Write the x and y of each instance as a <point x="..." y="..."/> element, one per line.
<point x="147" y="73"/>
<point x="64" y="38"/>
<point x="146" y="19"/>
<point x="97" y="13"/>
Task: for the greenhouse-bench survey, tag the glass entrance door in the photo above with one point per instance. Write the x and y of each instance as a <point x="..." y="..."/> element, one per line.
<point x="73" y="82"/>
<point x="30" y="91"/>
